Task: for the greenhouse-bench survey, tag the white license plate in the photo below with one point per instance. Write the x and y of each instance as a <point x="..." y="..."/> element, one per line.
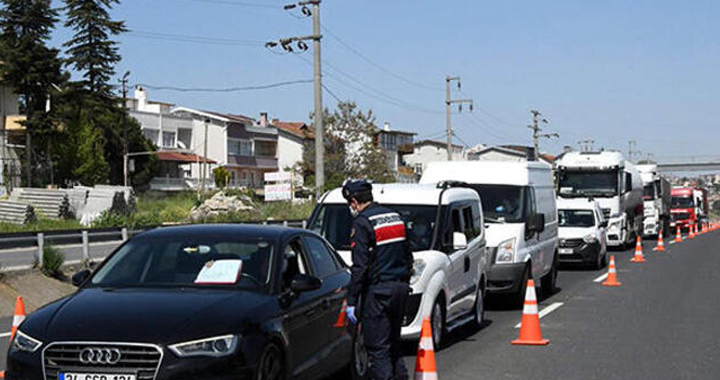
<point x="96" y="376"/>
<point x="566" y="251"/>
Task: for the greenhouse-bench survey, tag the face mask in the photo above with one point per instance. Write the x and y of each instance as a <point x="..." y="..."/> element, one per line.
<point x="353" y="212"/>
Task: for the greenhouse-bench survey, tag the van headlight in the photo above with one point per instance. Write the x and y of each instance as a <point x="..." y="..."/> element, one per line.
<point x="216" y="346"/>
<point x="505" y="252"/>
<point x="25" y="343"/>
<point x="590" y="239"/>
<point x="418" y="268"/>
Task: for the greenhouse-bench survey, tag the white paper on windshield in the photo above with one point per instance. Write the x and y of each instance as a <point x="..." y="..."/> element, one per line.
<point x="221" y="272"/>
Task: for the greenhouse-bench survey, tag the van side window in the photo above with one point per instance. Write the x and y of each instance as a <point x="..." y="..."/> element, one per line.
<point x="477" y="218"/>
<point x="469" y="223"/>
<point x="457" y="226"/>
<point x="628" y="182"/>
<point x="530" y="203"/>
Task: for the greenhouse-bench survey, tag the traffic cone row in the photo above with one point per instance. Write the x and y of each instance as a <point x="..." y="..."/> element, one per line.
<point x="530" y="333"/>
<point x="425" y="368"/>
<point x="691" y="233"/>
<point x="678" y="235"/>
<point x="611" y="279"/>
<point x="660" y="244"/>
<point x="639" y="257"/>
<point x="18" y="318"/>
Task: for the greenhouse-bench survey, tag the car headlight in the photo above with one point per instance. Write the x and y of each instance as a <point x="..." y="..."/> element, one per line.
<point x="590" y="239"/>
<point x="25" y="343"/>
<point x="505" y="252"/>
<point x="418" y="268"/>
<point x="216" y="346"/>
<point x="614" y="226"/>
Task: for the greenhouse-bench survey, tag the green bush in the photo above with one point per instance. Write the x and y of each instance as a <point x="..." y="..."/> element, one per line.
<point x="53" y="260"/>
<point x="222" y="176"/>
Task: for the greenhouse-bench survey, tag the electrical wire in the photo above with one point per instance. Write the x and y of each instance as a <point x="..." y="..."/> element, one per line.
<point x="331" y="93"/>
<point x="193" y="39"/>
<point x="231" y="89"/>
<point x="240" y="3"/>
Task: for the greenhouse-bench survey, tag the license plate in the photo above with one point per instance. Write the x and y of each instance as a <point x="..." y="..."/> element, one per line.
<point x="566" y="251"/>
<point x="96" y="376"/>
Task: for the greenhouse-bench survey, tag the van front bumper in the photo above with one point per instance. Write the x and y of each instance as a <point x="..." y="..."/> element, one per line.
<point x="505" y="278"/>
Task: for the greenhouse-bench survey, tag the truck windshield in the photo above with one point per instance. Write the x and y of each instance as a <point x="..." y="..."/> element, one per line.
<point x="501" y="203"/>
<point x="333" y="222"/>
<point x="576" y="218"/>
<point x="649" y="192"/>
<point x="579" y="183"/>
<point x="682" y="202"/>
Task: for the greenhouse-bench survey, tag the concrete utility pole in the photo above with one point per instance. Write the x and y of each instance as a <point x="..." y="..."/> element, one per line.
<point x="205" y="153"/>
<point x="631" y="151"/>
<point x="448" y="103"/>
<point x="535" y="127"/>
<point x="124" y="82"/>
<point x="316" y="37"/>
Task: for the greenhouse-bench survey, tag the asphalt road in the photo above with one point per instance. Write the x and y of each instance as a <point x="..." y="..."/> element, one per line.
<point x="662" y="323"/>
<point x="20" y="257"/>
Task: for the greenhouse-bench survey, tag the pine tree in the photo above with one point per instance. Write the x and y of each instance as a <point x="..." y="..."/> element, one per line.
<point x="31" y="68"/>
<point x="92" y="168"/>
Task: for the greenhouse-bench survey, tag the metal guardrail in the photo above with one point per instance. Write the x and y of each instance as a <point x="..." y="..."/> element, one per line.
<point x="84" y="237"/>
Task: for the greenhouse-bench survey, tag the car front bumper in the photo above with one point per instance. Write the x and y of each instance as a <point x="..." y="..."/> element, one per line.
<point x="504" y="279"/>
<point x="585" y="253"/>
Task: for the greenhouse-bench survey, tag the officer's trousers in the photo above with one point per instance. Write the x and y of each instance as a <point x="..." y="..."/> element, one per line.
<point x="382" y="315"/>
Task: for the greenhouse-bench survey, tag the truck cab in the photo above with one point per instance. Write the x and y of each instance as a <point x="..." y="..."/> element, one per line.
<point x="445" y="230"/>
<point x="656" y="201"/>
<point x="685" y="207"/>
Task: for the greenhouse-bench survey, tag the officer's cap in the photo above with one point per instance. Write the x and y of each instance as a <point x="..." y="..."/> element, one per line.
<point x="353" y="188"/>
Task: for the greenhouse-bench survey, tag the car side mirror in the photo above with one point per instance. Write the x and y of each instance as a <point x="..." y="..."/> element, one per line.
<point x="536" y="223"/>
<point x="80" y="277"/>
<point x="459" y="241"/>
<point x="305" y="283"/>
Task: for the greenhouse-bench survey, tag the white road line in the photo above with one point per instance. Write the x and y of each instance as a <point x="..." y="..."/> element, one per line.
<point x="3" y="335"/>
<point x="601" y="278"/>
<point x="549" y="309"/>
<point x="672" y="242"/>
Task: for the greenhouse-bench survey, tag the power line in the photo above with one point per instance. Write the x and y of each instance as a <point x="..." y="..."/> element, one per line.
<point x="331" y="93"/>
<point x="231" y="89"/>
<point x="377" y="66"/>
<point x="239" y="3"/>
<point x="193" y="39"/>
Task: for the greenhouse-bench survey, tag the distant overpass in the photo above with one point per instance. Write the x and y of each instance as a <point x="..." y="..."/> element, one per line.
<point x="689" y="164"/>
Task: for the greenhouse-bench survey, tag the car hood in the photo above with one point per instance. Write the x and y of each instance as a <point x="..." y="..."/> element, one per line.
<point x="575" y="232"/>
<point x="158" y="316"/>
<point x="496" y="233"/>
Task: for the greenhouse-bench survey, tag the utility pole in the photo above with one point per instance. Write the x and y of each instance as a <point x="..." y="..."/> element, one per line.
<point x="205" y="153"/>
<point x="124" y="82"/>
<point x="449" y="102"/>
<point x="316" y="37"/>
<point x="535" y="127"/>
<point x="631" y="151"/>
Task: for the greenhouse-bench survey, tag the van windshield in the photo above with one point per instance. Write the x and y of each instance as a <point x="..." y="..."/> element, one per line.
<point x="501" y="203"/>
<point x="333" y="222"/>
<point x="581" y="183"/>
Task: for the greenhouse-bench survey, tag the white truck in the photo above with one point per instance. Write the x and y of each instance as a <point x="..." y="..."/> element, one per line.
<point x="518" y="201"/>
<point x="612" y="181"/>
<point x="656" y="201"/>
<point x="444" y="227"/>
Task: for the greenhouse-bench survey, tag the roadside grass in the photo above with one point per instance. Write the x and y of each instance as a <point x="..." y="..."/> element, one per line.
<point x="41" y="225"/>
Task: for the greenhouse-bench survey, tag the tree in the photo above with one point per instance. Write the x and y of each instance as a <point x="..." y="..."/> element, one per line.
<point x="31" y="68"/>
<point x="351" y="148"/>
<point x="92" y="168"/>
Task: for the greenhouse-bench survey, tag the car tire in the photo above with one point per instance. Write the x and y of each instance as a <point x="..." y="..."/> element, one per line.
<point x="479" y="307"/>
<point x="519" y="297"/>
<point x="437" y="321"/>
<point x="599" y="261"/>
<point x="549" y="281"/>
<point x="271" y="365"/>
<point x="359" y="362"/>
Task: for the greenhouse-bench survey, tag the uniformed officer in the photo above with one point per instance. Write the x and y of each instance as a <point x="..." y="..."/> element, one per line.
<point x="382" y="264"/>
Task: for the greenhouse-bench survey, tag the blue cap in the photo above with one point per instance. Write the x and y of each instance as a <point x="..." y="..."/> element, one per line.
<point x="352" y="188"/>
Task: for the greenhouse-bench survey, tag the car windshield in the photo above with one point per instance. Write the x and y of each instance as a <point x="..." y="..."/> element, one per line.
<point x="576" y="218"/>
<point x="649" y="192"/>
<point x="682" y="202"/>
<point x="333" y="222"/>
<point x="181" y="261"/>
<point x="589" y="182"/>
<point x="501" y="203"/>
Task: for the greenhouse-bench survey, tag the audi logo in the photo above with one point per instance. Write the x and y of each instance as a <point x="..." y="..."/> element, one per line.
<point x="92" y="355"/>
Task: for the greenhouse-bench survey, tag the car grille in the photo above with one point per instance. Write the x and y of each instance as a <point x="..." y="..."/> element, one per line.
<point x="606" y="213"/>
<point x="571" y="243"/>
<point x="140" y="359"/>
<point x="411" y="308"/>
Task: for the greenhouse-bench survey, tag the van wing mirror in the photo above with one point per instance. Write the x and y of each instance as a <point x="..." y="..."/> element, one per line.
<point x="604" y="224"/>
<point x="459" y="241"/>
<point x="536" y="223"/>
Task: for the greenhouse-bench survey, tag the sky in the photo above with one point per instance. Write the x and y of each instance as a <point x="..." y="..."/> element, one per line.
<point x="611" y="71"/>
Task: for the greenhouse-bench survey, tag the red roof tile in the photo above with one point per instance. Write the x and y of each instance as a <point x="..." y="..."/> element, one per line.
<point x="181" y="157"/>
<point x="298" y="129"/>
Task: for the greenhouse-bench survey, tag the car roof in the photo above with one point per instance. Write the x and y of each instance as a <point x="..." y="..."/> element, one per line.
<point x="224" y="230"/>
<point x="521" y="173"/>
<point x="576" y="204"/>
<point x="409" y="194"/>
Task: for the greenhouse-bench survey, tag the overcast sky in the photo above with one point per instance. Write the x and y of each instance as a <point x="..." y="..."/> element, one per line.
<point x="611" y="70"/>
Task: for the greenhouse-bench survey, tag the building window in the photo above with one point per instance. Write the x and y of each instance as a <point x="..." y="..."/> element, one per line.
<point x="151" y="134"/>
<point x="388" y="141"/>
<point x="240" y="147"/>
<point x="168" y="139"/>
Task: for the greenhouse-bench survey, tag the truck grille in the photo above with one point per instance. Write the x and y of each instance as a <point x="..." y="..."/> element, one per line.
<point x="680" y="216"/>
<point x="140" y="359"/>
<point x="606" y="213"/>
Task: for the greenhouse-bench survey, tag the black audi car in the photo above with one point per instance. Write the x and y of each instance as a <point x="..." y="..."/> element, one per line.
<point x="203" y="302"/>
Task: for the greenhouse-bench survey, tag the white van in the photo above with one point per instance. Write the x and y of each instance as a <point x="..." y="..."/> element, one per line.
<point x="582" y="232"/>
<point x="444" y="226"/>
<point x="518" y="202"/>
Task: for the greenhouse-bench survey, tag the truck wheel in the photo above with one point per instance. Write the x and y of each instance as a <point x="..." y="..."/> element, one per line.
<point x="437" y="321"/>
<point x="549" y="281"/>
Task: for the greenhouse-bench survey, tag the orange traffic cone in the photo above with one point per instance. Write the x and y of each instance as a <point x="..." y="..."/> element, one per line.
<point x="530" y="333"/>
<point x="18" y="317"/>
<point x="678" y="235"/>
<point x="691" y="233"/>
<point x="660" y="243"/>
<point x="341" y="319"/>
<point x="425" y="363"/>
<point x="639" y="257"/>
<point x="611" y="279"/>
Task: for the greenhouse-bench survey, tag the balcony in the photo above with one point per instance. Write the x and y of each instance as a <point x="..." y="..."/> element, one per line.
<point x="255" y="162"/>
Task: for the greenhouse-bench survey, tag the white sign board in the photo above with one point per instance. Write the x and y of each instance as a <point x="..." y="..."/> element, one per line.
<point x="278" y="177"/>
<point x="221" y="272"/>
<point x="279" y="192"/>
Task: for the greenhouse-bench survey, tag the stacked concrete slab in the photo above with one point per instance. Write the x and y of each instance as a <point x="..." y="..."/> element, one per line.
<point x="48" y="203"/>
<point x="16" y="212"/>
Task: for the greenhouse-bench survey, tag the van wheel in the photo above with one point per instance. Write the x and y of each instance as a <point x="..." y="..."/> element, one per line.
<point x="479" y="308"/>
<point x="549" y="281"/>
<point x="437" y="321"/>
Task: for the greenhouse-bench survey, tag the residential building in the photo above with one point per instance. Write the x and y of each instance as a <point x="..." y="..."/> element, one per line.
<point x="512" y="153"/>
<point x="9" y="129"/>
<point x="427" y="151"/>
<point x="293" y="137"/>
<point x="397" y="145"/>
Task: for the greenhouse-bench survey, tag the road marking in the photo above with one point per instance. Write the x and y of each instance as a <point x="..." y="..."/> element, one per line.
<point x="100" y="244"/>
<point x="672" y="242"/>
<point x="3" y="335"/>
<point x="549" y="309"/>
<point x="601" y="278"/>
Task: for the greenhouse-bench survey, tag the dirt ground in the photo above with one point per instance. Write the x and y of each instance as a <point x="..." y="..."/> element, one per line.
<point x="35" y="289"/>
